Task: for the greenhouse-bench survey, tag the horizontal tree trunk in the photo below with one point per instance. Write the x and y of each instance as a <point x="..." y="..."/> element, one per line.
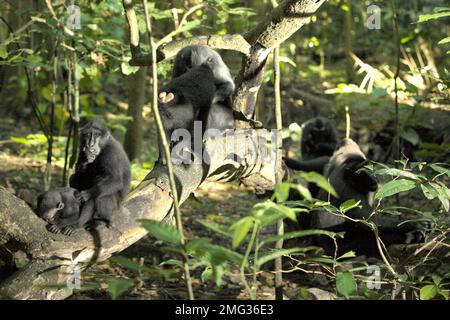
<point x="242" y="156"/>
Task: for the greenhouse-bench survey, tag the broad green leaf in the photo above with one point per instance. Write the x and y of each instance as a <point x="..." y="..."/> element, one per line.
<point x="394" y="187"/>
<point x="216" y="227"/>
<point x="399" y="173"/>
<point x="199" y="243"/>
<point x="345" y="283"/>
<point x="221" y="254"/>
<point x="319" y="180"/>
<point x="268" y="212"/>
<point x="411" y="136"/>
<point x="433" y="16"/>
<point x="218" y="272"/>
<point x="162" y="231"/>
<point x="349" y="254"/>
<point x="127" y="69"/>
<point x="126" y="263"/>
<point x="303" y="191"/>
<point x="436" y="279"/>
<point x="443" y="194"/>
<point x="240" y="230"/>
<point x="444" y="41"/>
<point x="444" y="293"/>
<point x="3" y="52"/>
<point x="428" y="292"/>
<point x="429" y="191"/>
<point x="348" y="205"/>
<point x="282" y="191"/>
<point x="440" y="169"/>
<point x="206" y="274"/>
<point x="118" y="286"/>
<point x="215" y="254"/>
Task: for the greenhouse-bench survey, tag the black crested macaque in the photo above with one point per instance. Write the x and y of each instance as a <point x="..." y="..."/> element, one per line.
<point x="184" y="100"/>
<point x="196" y="55"/>
<point x="220" y="115"/>
<point x="319" y="140"/>
<point x="62" y="210"/>
<point x="102" y="172"/>
<point x="346" y="174"/>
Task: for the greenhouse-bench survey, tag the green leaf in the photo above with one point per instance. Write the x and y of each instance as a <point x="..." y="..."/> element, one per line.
<point x="162" y="231"/>
<point x="282" y="191"/>
<point x="399" y="173"/>
<point x="319" y="180"/>
<point x="394" y="187"/>
<point x="127" y="69"/>
<point x="443" y="194"/>
<point x="118" y="286"/>
<point x="215" y="254"/>
<point x="221" y="254"/>
<point x="433" y="16"/>
<point x="345" y="283"/>
<point x="206" y="274"/>
<point x="428" y="292"/>
<point x="219" y="228"/>
<point x="410" y="135"/>
<point x="3" y="52"/>
<point x="218" y="272"/>
<point x="268" y="212"/>
<point x="348" y="205"/>
<point x="349" y="254"/>
<point x="440" y="169"/>
<point x="429" y="191"/>
<point x="126" y="263"/>
<point x="303" y="191"/>
<point x="444" y="41"/>
<point x="436" y="279"/>
<point x="240" y="230"/>
<point x="444" y="293"/>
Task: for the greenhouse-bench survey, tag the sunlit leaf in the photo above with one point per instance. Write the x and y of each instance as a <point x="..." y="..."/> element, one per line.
<point x="117" y="287"/>
<point x="394" y="187"/>
<point x="433" y="16"/>
<point x="240" y="230"/>
<point x="216" y="227"/>
<point x="348" y="205"/>
<point x="428" y="292"/>
<point x="162" y="231"/>
<point x="345" y="283"/>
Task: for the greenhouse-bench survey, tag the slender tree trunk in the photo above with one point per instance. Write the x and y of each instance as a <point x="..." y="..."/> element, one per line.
<point x="348" y="30"/>
<point x="136" y="97"/>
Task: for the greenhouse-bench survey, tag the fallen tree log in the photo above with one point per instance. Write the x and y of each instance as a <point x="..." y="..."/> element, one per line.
<point x="244" y="156"/>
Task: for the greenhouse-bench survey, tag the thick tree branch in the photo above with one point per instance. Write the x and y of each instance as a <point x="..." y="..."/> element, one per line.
<point x="242" y="156"/>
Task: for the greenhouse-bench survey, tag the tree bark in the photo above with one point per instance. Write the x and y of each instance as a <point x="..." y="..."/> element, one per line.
<point x="242" y="156"/>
